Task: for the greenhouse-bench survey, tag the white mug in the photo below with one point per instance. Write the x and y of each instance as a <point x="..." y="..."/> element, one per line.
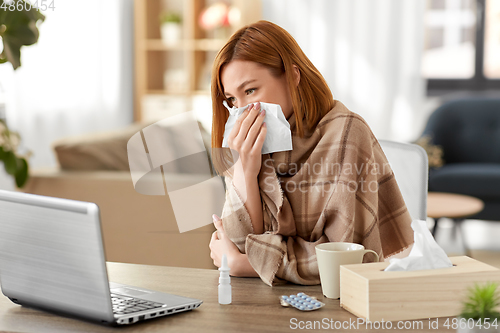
<point x="330" y="256"/>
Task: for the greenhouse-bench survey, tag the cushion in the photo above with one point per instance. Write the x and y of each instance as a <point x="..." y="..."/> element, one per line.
<point x="491" y="211"/>
<point x="468" y="130"/>
<point x="481" y="180"/>
<point x="108" y="150"/>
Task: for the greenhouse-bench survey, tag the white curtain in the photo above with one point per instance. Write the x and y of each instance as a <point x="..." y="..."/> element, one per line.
<point x="76" y="79"/>
<point x="369" y="52"/>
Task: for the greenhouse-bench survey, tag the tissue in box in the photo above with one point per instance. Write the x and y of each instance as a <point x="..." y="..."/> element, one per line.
<point x="371" y="293"/>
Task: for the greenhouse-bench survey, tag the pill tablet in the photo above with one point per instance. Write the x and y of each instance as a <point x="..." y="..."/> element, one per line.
<point x="301" y="302"/>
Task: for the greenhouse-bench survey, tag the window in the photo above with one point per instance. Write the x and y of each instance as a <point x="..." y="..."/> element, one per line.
<point x="492" y="40"/>
<point x="462" y="45"/>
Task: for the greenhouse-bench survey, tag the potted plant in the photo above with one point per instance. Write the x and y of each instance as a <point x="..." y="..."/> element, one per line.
<point x="170" y="27"/>
<point x="434" y="152"/>
<point x="480" y="310"/>
<point x="15" y="165"/>
<point x="18" y="27"/>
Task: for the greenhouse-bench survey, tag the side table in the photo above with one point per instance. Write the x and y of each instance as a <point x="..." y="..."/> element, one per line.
<point x="454" y="206"/>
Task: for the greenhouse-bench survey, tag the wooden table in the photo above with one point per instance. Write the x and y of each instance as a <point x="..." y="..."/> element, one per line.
<point x="255" y="307"/>
<point x="453" y="206"/>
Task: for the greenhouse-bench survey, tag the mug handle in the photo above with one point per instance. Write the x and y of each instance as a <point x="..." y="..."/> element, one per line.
<point x="375" y="253"/>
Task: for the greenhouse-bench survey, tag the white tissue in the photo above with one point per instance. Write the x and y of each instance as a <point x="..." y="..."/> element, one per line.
<point x="425" y="254"/>
<point x="278" y="136"/>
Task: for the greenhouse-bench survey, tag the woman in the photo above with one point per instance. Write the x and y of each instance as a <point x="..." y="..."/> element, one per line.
<point x="335" y="185"/>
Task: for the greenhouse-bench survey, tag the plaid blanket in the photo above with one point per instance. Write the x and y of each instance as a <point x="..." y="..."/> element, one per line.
<point x="334" y="186"/>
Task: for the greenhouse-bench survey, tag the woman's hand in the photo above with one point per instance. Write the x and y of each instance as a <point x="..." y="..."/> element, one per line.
<point x="247" y="138"/>
<point x="220" y="244"/>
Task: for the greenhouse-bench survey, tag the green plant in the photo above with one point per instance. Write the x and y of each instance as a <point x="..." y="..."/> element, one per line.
<point x="482" y="303"/>
<point x="434" y="152"/>
<point x="18" y="27"/>
<point x="15" y="165"/>
<point x="170" y="17"/>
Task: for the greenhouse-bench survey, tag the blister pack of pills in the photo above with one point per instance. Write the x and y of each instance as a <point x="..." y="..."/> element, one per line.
<point x="301" y="302"/>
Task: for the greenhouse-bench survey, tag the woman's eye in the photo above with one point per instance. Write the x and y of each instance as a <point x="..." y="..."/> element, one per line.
<point x="231" y="100"/>
<point x="250" y="91"/>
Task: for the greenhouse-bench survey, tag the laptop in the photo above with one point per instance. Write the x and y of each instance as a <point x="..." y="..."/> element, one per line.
<point x="52" y="258"/>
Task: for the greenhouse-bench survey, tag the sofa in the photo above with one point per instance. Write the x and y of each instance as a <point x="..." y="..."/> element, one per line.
<point x="468" y="132"/>
<point x="136" y="228"/>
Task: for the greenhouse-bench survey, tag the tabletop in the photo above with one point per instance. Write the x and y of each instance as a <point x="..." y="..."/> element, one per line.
<point x="255" y="308"/>
<point x="452" y="205"/>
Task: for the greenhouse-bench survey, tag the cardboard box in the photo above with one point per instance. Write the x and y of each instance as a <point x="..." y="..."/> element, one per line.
<point x="367" y="291"/>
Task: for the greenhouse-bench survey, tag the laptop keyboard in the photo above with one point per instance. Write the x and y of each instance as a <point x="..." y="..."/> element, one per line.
<point x="125" y="304"/>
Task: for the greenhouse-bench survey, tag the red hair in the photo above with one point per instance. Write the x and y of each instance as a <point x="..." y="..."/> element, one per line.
<point x="273" y="47"/>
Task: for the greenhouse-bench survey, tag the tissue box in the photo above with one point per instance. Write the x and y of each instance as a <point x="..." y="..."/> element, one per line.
<point x="367" y="291"/>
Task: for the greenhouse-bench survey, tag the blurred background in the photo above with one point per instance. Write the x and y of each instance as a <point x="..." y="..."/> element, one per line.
<point x="103" y="69"/>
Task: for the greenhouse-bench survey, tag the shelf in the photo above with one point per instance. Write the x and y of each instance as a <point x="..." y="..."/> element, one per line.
<point x="202" y="92"/>
<point x="177" y="93"/>
<point x="177" y="76"/>
<point x="168" y="92"/>
<point x="186" y="44"/>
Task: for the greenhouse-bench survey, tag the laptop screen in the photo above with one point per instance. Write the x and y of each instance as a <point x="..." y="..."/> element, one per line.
<point x="52" y="256"/>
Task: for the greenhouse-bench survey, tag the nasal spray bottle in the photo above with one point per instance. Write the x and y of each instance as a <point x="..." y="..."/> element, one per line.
<point x="224" y="282"/>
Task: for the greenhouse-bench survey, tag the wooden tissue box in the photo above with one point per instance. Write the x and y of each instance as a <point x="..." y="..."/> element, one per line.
<point x="373" y="294"/>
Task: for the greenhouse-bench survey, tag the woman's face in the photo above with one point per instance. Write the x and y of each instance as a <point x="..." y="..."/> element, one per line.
<point x="248" y="82"/>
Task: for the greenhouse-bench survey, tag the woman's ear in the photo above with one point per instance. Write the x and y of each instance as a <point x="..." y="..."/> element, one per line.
<point x="296" y="74"/>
